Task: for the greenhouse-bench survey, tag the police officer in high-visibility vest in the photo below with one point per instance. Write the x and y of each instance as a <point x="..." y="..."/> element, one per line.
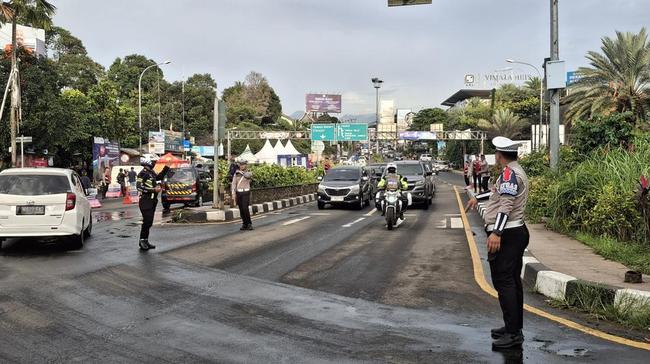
<point x="147" y="185"/>
<point x="507" y="239"/>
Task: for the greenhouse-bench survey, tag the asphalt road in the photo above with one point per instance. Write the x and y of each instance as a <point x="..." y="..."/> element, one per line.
<point x="305" y="286"/>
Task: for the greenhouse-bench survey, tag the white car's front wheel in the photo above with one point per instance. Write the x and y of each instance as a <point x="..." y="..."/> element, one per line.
<point x="89" y="229"/>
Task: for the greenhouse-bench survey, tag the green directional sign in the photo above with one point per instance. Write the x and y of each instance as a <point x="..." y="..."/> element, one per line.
<point x="352" y="132"/>
<point x="322" y="132"/>
<point x="344" y="132"/>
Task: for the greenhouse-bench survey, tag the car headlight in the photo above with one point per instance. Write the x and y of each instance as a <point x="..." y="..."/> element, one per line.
<point x="419" y="183"/>
<point x="321" y="189"/>
<point x="354" y="189"/>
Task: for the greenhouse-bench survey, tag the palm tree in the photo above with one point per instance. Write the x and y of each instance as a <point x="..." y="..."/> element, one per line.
<point x="534" y="84"/>
<point x="37" y="13"/>
<point x="504" y="123"/>
<point x="618" y="81"/>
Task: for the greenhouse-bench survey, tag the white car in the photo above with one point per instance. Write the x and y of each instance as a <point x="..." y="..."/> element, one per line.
<point x="43" y="202"/>
<point x="441" y="165"/>
<point x="426" y="158"/>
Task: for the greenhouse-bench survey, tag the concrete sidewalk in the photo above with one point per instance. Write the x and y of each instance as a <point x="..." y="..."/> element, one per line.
<point x="563" y="254"/>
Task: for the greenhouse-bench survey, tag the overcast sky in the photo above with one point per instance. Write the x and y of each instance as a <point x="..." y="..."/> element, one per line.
<point x="335" y="46"/>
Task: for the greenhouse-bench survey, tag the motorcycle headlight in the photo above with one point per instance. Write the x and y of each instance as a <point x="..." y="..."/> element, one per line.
<point x="391" y="198"/>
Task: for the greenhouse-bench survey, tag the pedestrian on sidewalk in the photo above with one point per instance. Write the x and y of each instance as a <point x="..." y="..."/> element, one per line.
<point x="147" y="184"/>
<point x="476" y="173"/>
<point x="507" y="239"/>
<point x="121" y="180"/>
<point x="241" y="188"/>
<point x="106" y="181"/>
<point x="232" y="169"/>
<point x="132" y="177"/>
<point x="467" y="172"/>
<point x="485" y="174"/>
<point x="85" y="181"/>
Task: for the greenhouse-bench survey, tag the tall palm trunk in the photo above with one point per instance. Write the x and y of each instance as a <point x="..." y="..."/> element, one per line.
<point x="15" y="100"/>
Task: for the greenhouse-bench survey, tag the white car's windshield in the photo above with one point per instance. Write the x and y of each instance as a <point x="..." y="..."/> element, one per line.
<point x="33" y="185"/>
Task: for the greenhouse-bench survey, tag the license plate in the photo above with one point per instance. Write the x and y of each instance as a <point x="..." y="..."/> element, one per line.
<point x="337" y="198"/>
<point x="30" y="210"/>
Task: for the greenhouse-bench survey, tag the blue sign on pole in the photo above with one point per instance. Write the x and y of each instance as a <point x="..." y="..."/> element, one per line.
<point x="572" y="77"/>
<point x="322" y="132"/>
<point x="339" y="132"/>
<point x="186" y="144"/>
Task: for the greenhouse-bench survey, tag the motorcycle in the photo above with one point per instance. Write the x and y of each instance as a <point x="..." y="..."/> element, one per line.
<point x="392" y="207"/>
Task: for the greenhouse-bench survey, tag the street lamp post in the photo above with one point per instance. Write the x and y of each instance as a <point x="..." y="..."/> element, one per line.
<point x="377" y="83"/>
<point x="140" y="101"/>
<point x="541" y="100"/>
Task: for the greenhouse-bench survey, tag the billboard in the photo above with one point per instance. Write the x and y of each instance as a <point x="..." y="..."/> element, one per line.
<point x="323" y="103"/>
<point x="173" y="141"/>
<point x="387" y="112"/>
<point x="106" y="154"/>
<point x="32" y="39"/>
<point x="157" y="142"/>
<point x="417" y="135"/>
<point x="408" y="2"/>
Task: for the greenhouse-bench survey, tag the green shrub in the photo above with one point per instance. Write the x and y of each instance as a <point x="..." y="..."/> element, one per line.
<point x="614" y="214"/>
<point x="271" y="175"/>
<point x="540" y="188"/>
<point x="612" y="130"/>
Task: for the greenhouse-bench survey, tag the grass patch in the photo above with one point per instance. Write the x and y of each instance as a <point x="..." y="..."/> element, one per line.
<point x="589" y="299"/>
<point x="635" y="256"/>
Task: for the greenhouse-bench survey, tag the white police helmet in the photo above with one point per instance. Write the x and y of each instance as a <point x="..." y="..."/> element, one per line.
<point x="146" y="161"/>
<point x="392" y="166"/>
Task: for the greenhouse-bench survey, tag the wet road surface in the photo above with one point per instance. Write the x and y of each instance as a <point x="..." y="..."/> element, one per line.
<point x="305" y="286"/>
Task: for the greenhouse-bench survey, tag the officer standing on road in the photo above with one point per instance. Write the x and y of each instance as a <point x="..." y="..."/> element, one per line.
<point x="147" y="184"/>
<point x="241" y="187"/>
<point x="507" y="238"/>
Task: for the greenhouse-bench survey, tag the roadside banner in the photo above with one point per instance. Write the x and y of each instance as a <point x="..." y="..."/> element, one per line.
<point x="106" y="154"/>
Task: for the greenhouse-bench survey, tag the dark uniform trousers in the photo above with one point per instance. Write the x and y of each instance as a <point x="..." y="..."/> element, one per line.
<point x="505" y="268"/>
<point x="243" y="201"/>
<point x="148" y="209"/>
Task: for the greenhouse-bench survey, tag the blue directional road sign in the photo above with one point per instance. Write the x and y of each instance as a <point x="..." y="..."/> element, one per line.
<point x="344" y="132"/>
<point x="352" y="132"/>
<point x="322" y="132"/>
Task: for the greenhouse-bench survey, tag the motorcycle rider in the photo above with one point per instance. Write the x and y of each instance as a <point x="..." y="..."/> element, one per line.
<point x="391" y="173"/>
<point x="147" y="185"/>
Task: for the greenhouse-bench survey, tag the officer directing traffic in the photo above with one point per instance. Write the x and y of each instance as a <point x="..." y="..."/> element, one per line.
<point x="147" y="185"/>
<point x="507" y="239"/>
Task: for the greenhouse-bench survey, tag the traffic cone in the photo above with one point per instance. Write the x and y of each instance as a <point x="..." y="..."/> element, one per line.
<point x="127" y="199"/>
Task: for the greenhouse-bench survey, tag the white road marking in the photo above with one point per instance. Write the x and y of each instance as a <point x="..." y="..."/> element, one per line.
<point x="456" y="222"/>
<point x="372" y="212"/>
<point x="320" y="214"/>
<point x="296" y="220"/>
<point x="354" y="222"/>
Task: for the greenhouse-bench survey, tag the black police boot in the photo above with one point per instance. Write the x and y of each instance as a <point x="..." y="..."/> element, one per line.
<point x="508" y="340"/>
<point x="144" y="244"/>
<point x="151" y="246"/>
<point x="497" y="333"/>
<point x="250" y="227"/>
<point x="244" y="227"/>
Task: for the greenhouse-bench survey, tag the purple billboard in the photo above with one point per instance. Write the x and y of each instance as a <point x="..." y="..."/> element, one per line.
<point x="323" y="103"/>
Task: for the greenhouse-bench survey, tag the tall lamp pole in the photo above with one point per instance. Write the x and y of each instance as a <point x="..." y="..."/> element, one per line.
<point x="140" y="101"/>
<point x="541" y="99"/>
<point x="377" y="83"/>
<point x="554" y="132"/>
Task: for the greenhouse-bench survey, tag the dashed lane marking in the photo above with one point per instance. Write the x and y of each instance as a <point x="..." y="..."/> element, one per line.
<point x="320" y="214"/>
<point x="372" y="212"/>
<point x="487" y="288"/>
<point x="296" y="220"/>
<point x="354" y="222"/>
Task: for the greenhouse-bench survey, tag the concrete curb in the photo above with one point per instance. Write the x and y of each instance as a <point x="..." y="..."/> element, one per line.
<point x="564" y="287"/>
<point x="198" y="216"/>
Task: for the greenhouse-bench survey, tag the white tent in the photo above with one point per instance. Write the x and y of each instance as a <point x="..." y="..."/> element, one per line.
<point x="279" y="148"/>
<point x="267" y="154"/>
<point x="290" y="149"/>
<point x="247" y="155"/>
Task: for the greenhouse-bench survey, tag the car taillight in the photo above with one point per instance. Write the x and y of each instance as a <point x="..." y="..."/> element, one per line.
<point x="70" y="201"/>
<point x="194" y="187"/>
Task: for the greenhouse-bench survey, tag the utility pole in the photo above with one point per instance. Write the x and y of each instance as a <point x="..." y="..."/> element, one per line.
<point x="377" y="84"/>
<point x="15" y="99"/>
<point x="216" y="200"/>
<point x="554" y="132"/>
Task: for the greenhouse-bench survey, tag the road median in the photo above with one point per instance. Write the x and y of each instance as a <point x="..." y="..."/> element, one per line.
<point x="208" y="214"/>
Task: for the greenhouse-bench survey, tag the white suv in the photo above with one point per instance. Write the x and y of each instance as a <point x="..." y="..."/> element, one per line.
<point x="425" y="158"/>
<point x="43" y="202"/>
